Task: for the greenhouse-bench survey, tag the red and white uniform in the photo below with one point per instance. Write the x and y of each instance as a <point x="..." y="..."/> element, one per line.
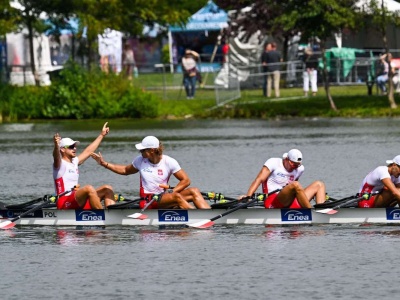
<point x="278" y="179"/>
<point x="152" y="175"/>
<point x="65" y="178"/>
<point x="373" y="183"/>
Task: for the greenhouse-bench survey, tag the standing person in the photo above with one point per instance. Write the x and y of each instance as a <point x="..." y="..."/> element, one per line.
<point x="284" y="173"/>
<point x="264" y="67"/>
<point x="189" y="69"/>
<point x="273" y="60"/>
<point x="386" y="181"/>
<point x="383" y="76"/>
<point x="66" y="175"/>
<point x="155" y="169"/>
<point x="310" y="73"/>
<point x="128" y="60"/>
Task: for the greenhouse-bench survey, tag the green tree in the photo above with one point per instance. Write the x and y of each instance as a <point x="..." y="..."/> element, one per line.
<point x="377" y="15"/>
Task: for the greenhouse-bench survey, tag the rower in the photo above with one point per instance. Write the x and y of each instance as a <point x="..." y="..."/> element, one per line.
<point x="386" y="181"/>
<point x="155" y="169"/>
<point x="282" y="174"/>
<point x="66" y="175"/>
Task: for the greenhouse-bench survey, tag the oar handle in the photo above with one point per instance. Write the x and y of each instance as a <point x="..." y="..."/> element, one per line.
<point x="243" y="205"/>
<point x="363" y="196"/>
<point x="43" y="204"/>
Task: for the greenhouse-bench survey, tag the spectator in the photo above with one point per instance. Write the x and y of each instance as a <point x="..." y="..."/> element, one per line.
<point x="310" y="73"/>
<point x="189" y="69"/>
<point x="264" y="67"/>
<point x="383" y="76"/>
<point x="272" y="62"/>
<point x="128" y="61"/>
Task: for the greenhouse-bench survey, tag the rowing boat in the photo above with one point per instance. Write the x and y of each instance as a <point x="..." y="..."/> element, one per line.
<point x="253" y="215"/>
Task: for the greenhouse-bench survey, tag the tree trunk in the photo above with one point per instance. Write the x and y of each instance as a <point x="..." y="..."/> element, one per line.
<point x="326" y="78"/>
<point x="31" y="51"/>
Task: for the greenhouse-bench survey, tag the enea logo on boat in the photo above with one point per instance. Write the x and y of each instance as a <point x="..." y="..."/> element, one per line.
<point x="393" y="214"/>
<point x="89" y="215"/>
<point x="296" y="215"/>
<point x="173" y="216"/>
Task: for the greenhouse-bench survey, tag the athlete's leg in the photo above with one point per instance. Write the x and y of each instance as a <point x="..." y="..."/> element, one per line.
<point x="173" y="199"/>
<point x="317" y="189"/>
<point x="86" y="192"/>
<point x="194" y="195"/>
<point x="106" y="192"/>
<point x="291" y="191"/>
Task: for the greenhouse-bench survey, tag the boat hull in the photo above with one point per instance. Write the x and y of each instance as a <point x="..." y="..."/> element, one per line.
<point x="54" y="217"/>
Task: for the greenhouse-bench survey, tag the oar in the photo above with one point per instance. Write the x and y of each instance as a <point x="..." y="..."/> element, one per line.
<point x="217" y="196"/>
<point x="333" y="202"/>
<point x="11" y="223"/>
<point x="140" y="214"/>
<point x="210" y="222"/>
<point x="333" y="210"/>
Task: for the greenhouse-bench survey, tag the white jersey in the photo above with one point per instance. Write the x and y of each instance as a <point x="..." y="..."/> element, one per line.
<point x="67" y="176"/>
<point x="373" y="181"/>
<point x="280" y="177"/>
<point x="152" y="175"/>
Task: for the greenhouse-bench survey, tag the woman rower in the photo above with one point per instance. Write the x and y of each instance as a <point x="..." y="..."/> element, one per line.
<point x="155" y="169"/>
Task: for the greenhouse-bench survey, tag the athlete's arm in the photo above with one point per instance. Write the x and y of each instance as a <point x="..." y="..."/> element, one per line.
<point x="388" y="183"/>
<point x="94" y="145"/>
<point x="56" y="152"/>
<point x="261" y="177"/>
<point x="184" y="181"/>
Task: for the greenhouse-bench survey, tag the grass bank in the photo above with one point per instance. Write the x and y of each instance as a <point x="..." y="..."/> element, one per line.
<point x="351" y="101"/>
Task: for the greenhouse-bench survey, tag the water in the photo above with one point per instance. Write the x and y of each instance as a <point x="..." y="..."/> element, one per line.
<point x="225" y="262"/>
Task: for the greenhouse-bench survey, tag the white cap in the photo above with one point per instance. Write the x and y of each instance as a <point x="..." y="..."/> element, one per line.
<point x="65" y="142"/>
<point x="294" y="155"/>
<point x="395" y="160"/>
<point x="148" y="142"/>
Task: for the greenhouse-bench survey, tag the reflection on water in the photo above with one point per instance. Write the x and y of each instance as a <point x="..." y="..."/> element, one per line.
<point x="266" y="262"/>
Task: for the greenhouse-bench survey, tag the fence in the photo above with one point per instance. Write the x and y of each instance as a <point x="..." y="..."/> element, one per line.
<point x="225" y="84"/>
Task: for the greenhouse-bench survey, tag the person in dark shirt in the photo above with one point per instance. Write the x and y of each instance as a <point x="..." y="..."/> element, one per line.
<point x="271" y="63"/>
<point x="264" y="67"/>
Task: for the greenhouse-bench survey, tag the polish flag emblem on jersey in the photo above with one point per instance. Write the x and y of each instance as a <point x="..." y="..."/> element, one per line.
<point x="160" y="172"/>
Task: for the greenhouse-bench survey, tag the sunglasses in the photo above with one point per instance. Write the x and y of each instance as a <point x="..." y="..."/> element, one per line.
<point x="143" y="150"/>
<point x="70" y="147"/>
<point x="294" y="165"/>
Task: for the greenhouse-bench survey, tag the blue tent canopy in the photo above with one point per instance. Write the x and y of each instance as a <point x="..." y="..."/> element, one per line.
<point x="210" y="17"/>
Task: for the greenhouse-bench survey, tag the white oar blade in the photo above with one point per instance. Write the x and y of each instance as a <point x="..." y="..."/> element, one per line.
<point x="7" y="225"/>
<point x="328" y="211"/>
<point x="202" y="224"/>
<point x="137" y="216"/>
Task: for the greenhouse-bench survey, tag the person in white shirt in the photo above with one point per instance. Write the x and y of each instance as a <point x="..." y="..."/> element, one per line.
<point x="155" y="169"/>
<point x="66" y="175"/>
<point x="189" y="69"/>
<point x="282" y="174"/>
<point x="386" y="181"/>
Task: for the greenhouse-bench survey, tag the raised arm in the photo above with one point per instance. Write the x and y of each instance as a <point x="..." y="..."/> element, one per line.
<point x="119" y="169"/>
<point x="56" y="152"/>
<point x="94" y="145"/>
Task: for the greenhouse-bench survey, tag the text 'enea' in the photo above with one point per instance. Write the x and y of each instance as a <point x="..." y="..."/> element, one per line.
<point x="89" y="215"/>
<point x="393" y="214"/>
<point x="296" y="215"/>
<point x="173" y="216"/>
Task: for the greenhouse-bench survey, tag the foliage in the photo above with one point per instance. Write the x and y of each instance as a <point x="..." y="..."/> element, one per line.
<point x="78" y="94"/>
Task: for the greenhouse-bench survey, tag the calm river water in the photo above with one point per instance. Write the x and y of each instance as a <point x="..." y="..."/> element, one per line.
<point x="224" y="262"/>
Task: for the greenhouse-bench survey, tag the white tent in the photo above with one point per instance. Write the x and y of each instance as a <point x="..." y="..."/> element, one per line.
<point x="390" y="5"/>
